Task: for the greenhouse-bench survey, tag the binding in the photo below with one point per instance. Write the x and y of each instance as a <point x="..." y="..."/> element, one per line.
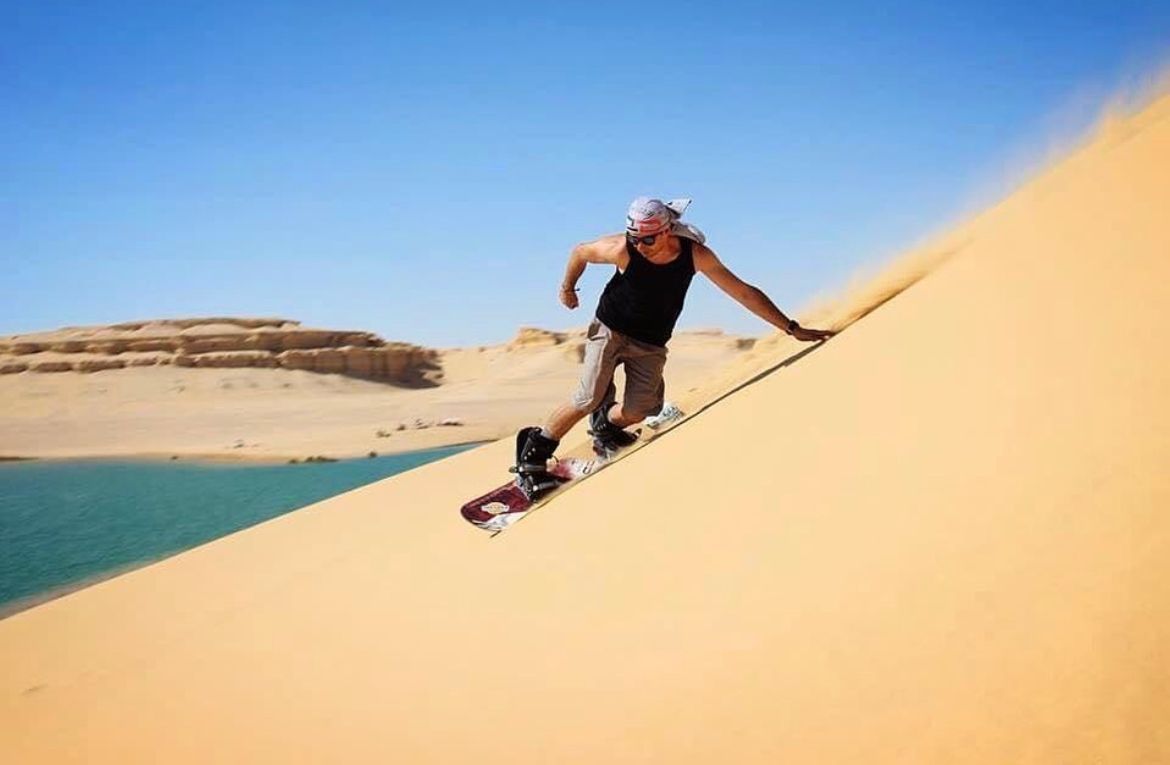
<point x="607" y="437"/>
<point x="533" y="451"/>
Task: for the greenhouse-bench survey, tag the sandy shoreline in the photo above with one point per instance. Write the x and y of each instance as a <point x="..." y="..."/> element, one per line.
<point x="13" y="607"/>
<point x="226" y="458"/>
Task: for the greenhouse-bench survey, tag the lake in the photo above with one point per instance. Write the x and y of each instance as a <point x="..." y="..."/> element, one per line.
<point x="70" y="523"/>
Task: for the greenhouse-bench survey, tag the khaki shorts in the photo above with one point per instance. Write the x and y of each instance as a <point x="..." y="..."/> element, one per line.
<point x="604" y="350"/>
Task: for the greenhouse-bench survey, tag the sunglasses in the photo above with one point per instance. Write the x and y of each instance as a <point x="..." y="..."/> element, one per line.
<point x="646" y="240"/>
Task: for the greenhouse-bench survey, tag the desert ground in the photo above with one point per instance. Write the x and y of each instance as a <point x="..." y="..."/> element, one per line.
<point x="162" y="411"/>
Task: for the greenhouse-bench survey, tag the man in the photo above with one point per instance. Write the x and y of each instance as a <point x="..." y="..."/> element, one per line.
<point x="655" y="260"/>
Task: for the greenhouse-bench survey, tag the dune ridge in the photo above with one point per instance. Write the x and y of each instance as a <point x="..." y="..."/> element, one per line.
<point x="939" y="537"/>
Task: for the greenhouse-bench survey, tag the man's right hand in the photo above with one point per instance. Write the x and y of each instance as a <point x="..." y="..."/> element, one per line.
<point x="569" y="298"/>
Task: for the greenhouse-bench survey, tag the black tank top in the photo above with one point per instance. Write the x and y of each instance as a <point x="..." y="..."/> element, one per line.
<point x="645" y="300"/>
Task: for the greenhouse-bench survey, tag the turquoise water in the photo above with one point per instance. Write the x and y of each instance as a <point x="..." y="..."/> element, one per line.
<point x="65" y="523"/>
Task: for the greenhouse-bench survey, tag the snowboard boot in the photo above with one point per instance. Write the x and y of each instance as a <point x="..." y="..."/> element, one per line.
<point x="533" y="452"/>
<point x="607" y="437"/>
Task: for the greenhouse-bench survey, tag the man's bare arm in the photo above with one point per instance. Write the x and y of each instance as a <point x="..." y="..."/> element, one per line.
<point x="606" y="250"/>
<point x="751" y="298"/>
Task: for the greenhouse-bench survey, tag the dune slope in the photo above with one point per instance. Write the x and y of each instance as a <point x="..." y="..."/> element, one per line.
<point x="940" y="537"/>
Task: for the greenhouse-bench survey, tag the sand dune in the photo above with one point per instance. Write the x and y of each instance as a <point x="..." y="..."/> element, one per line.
<point x="939" y="537"/>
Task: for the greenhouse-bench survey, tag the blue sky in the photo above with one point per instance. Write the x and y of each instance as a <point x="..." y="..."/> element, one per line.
<point x="422" y="170"/>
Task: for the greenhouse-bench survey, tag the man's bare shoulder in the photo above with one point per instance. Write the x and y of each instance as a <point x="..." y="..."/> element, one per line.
<point x="704" y="256"/>
<point x="610" y="248"/>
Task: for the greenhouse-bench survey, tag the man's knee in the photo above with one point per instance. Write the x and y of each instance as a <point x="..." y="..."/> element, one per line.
<point x="585" y="404"/>
<point x="579" y="406"/>
<point x="653" y="410"/>
<point x="588" y="400"/>
<point x="640" y="410"/>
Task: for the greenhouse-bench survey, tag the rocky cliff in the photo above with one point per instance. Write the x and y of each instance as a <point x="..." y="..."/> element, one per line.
<point x="220" y="342"/>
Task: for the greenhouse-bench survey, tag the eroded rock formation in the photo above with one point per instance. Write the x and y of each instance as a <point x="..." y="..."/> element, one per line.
<point x="221" y="342"/>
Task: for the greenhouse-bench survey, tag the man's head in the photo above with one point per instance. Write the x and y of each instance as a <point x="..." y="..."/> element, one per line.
<point x="648" y="223"/>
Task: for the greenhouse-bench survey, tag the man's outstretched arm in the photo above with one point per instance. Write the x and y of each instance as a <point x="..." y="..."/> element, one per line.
<point x="750" y="297"/>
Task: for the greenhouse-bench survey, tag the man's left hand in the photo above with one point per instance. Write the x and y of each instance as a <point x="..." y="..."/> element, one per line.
<point x="811" y="335"/>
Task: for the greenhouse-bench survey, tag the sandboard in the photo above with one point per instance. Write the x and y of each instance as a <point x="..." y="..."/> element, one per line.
<point x="503" y="506"/>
